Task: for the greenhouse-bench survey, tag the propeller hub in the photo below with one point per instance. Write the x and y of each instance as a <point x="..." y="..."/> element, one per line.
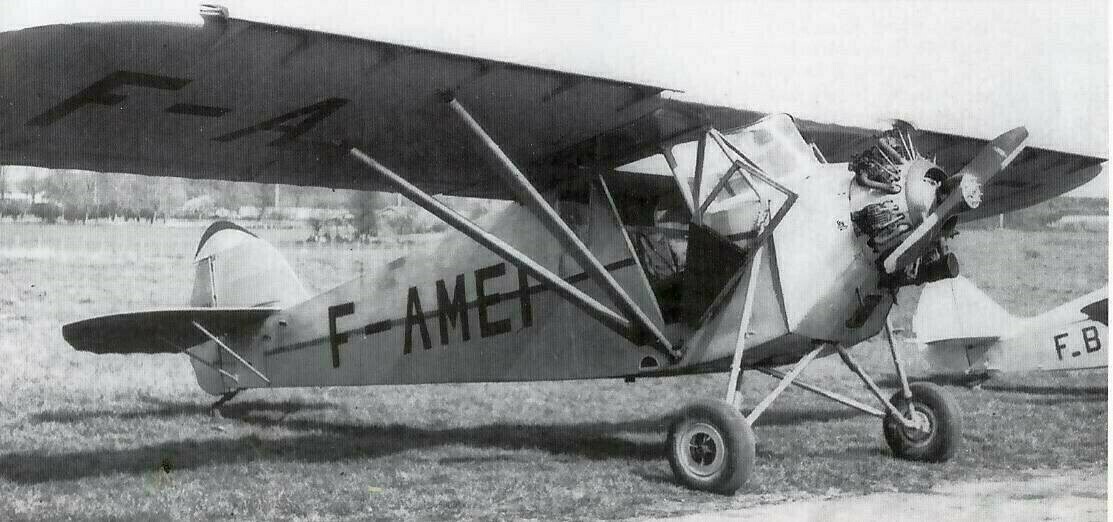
<point x="971" y="191"/>
<point x="922" y="182"/>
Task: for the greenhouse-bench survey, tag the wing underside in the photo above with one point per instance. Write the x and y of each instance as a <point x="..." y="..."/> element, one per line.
<point x="245" y="101"/>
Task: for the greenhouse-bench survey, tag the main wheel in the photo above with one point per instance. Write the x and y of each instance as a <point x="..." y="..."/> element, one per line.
<point x="937" y="433"/>
<point x="711" y="447"/>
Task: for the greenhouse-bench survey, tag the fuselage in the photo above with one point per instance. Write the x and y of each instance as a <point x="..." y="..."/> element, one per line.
<point x="460" y="313"/>
<point x="1073" y="336"/>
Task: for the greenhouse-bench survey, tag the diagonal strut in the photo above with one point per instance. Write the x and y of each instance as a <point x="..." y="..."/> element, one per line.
<point x="529" y="196"/>
<point x="594" y="308"/>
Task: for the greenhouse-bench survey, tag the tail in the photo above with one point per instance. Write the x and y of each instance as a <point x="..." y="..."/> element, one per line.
<point x="955" y="309"/>
<point x="234" y="268"/>
<point x="239" y="272"/>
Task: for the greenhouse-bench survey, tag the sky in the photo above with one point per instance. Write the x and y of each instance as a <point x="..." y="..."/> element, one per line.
<point x="976" y="67"/>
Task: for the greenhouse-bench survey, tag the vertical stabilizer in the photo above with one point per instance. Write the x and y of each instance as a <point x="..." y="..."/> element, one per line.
<point x="235" y="268"/>
<point x="956" y="309"/>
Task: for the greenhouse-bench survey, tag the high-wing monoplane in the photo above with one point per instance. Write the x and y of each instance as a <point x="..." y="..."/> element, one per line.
<point x="962" y="332"/>
<point x="792" y="239"/>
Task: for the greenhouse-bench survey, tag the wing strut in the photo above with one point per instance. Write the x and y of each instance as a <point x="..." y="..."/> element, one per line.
<point x="594" y="308"/>
<point x="528" y="195"/>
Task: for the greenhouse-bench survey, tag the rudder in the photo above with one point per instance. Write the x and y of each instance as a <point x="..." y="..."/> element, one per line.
<point x="235" y="268"/>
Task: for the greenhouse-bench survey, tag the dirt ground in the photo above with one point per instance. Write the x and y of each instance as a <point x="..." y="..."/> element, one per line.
<point x="1036" y="495"/>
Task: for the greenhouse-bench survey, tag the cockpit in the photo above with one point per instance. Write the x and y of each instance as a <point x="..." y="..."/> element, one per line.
<point x="722" y="196"/>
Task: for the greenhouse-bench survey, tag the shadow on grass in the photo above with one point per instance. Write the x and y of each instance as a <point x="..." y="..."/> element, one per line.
<point x="321" y="441"/>
<point x="1099" y="392"/>
<point x="837" y="453"/>
<point x="772" y="417"/>
<point x="330" y="442"/>
<point x="1091" y="392"/>
<point x="172" y="409"/>
<point x="247" y="410"/>
<point x="891" y="381"/>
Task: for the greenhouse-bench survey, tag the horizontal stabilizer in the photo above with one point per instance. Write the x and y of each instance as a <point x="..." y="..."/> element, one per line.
<point x="158" y="331"/>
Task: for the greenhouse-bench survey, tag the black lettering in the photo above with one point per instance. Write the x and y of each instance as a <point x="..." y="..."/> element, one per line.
<point x="335" y="339"/>
<point x="1090" y="337"/>
<point x="487" y="327"/>
<point x="414" y="315"/>
<point x="376" y="327"/>
<point x="1059" y="347"/>
<point x="309" y="116"/>
<point x="524" y="298"/>
<point x="454" y="310"/>
<point x="100" y="93"/>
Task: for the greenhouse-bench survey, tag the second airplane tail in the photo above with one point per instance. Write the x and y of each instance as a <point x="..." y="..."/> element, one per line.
<point x="956" y="309"/>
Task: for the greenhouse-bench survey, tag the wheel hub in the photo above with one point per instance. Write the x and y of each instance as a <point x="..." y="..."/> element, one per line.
<point x="704" y="450"/>
<point x="920" y="425"/>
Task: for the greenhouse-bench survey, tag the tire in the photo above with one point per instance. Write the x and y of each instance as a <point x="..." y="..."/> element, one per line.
<point x="711" y="447"/>
<point x="943" y="435"/>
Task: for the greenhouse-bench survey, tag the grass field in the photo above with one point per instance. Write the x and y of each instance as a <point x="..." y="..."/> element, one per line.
<point x="129" y="437"/>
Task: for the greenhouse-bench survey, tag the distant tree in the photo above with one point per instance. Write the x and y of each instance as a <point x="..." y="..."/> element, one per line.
<point x="31" y="185"/>
<point x="109" y="195"/>
<point x="70" y="190"/>
<point x="13" y="208"/>
<point x="364" y="207"/>
<point x="263" y="197"/>
<point x="48" y="212"/>
<point x="231" y="196"/>
<point x="59" y="187"/>
<point x="200" y="207"/>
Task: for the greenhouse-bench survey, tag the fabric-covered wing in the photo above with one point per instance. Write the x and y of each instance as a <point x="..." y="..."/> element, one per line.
<point x="158" y="331"/>
<point x="245" y="101"/>
<point x="239" y="100"/>
<point x="1035" y="175"/>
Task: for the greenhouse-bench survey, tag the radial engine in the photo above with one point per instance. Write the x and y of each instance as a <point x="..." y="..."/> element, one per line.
<point x="894" y="191"/>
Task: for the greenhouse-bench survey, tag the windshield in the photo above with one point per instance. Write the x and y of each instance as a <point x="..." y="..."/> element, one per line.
<point x="774" y="144"/>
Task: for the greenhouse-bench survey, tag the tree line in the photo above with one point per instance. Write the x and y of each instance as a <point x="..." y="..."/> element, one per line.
<point x="80" y="196"/>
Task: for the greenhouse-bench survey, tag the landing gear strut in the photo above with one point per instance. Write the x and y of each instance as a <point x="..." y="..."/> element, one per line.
<point x="711" y="445"/>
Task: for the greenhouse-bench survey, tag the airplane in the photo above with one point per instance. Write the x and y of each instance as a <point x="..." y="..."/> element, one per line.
<point x="961" y="331"/>
<point x="792" y="239"/>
